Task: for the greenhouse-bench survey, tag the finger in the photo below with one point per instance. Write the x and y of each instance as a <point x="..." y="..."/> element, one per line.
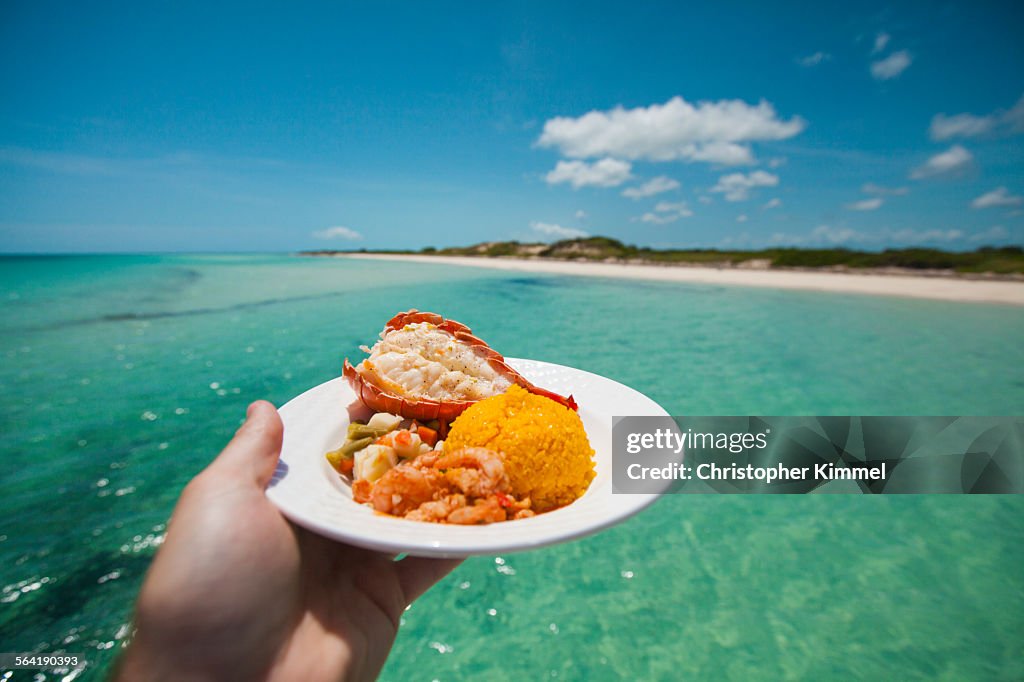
<point x="252" y="454"/>
<point x="416" y="575"/>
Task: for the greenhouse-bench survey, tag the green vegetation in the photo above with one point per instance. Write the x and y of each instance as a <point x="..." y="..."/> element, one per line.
<point x="998" y="260"/>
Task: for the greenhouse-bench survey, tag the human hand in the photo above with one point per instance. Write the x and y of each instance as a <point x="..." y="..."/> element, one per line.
<point x="237" y="592"/>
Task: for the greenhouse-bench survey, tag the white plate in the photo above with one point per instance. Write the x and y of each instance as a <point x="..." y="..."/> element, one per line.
<point x="310" y="493"/>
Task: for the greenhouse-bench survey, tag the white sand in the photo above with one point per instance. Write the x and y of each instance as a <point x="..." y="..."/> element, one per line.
<point x="909" y="286"/>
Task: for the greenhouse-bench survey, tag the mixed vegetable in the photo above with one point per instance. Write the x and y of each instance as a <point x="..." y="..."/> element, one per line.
<point x="372" y="449"/>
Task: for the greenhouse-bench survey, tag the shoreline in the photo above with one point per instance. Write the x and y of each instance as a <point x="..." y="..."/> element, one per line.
<point x="932" y="287"/>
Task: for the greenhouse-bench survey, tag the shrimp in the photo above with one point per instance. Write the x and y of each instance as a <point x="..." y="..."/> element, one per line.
<point x="467" y="487"/>
<point x="477" y="472"/>
<point x="487" y="510"/>
<point x="438" y="510"/>
<point x="404" y="489"/>
<point x="361" y="490"/>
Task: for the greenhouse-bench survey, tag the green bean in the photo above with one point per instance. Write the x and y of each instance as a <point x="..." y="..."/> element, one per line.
<point x="351" y="447"/>
<point x="335" y="457"/>
<point x="359" y="431"/>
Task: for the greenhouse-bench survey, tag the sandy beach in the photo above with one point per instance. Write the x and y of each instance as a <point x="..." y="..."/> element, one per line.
<point x="874" y="284"/>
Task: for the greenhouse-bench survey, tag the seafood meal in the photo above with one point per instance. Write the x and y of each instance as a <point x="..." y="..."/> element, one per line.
<point x="458" y="436"/>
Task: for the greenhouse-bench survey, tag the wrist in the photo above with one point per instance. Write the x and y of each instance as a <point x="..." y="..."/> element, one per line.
<point x="141" y="662"/>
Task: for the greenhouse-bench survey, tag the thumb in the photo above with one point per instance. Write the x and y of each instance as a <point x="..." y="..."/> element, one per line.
<point x="252" y="454"/>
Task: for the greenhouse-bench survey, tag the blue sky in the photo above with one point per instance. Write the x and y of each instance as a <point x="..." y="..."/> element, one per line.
<point x="206" y="127"/>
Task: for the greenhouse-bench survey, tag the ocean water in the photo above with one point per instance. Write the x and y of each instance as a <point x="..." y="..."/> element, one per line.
<point x="123" y="376"/>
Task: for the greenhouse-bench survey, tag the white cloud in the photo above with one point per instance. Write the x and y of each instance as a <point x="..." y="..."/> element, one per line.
<point x="736" y="241"/>
<point x="822" y="234"/>
<point x="659" y="219"/>
<point x="663" y="206"/>
<point x="994" y="233"/>
<point x="651" y="187"/>
<point x="961" y="125"/>
<point x="680" y="208"/>
<point x="607" y="172"/>
<point x="836" y="236"/>
<point x="773" y="203"/>
<point x="1014" y="118"/>
<point x="776" y="162"/>
<point x="581" y="214"/>
<point x="956" y="158"/>
<point x="891" y="66"/>
<point x="872" y="188"/>
<point x="723" y="154"/>
<point x="338" y="232"/>
<point x="881" y="40"/>
<point x="555" y="231"/>
<point x="923" y="236"/>
<point x="866" y="204"/>
<point x="737" y="186"/>
<point x="666" y="212"/>
<point x="715" y="132"/>
<point x="999" y="122"/>
<point x="704" y="199"/>
<point x="1000" y="196"/>
<point x="742" y="218"/>
<point x="73" y="164"/>
<point x="814" y="59"/>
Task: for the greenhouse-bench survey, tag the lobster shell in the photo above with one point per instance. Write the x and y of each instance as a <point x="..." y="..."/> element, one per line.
<point x="425" y="409"/>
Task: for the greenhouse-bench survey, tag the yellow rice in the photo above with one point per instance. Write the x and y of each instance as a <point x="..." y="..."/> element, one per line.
<point x="547" y="454"/>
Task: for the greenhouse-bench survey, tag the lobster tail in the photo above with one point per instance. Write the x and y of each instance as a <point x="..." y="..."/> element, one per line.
<point x="382" y="395"/>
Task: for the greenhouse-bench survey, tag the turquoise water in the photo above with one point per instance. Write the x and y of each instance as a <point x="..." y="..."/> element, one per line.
<point x="123" y="376"/>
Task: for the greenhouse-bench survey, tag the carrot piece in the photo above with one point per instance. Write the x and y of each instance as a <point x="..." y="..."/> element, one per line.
<point x="428" y="436"/>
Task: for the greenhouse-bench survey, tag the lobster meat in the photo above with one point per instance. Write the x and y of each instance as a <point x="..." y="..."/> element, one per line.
<point x="427" y="367"/>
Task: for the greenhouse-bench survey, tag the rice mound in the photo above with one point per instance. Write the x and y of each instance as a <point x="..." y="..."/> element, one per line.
<point x="547" y="454"/>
